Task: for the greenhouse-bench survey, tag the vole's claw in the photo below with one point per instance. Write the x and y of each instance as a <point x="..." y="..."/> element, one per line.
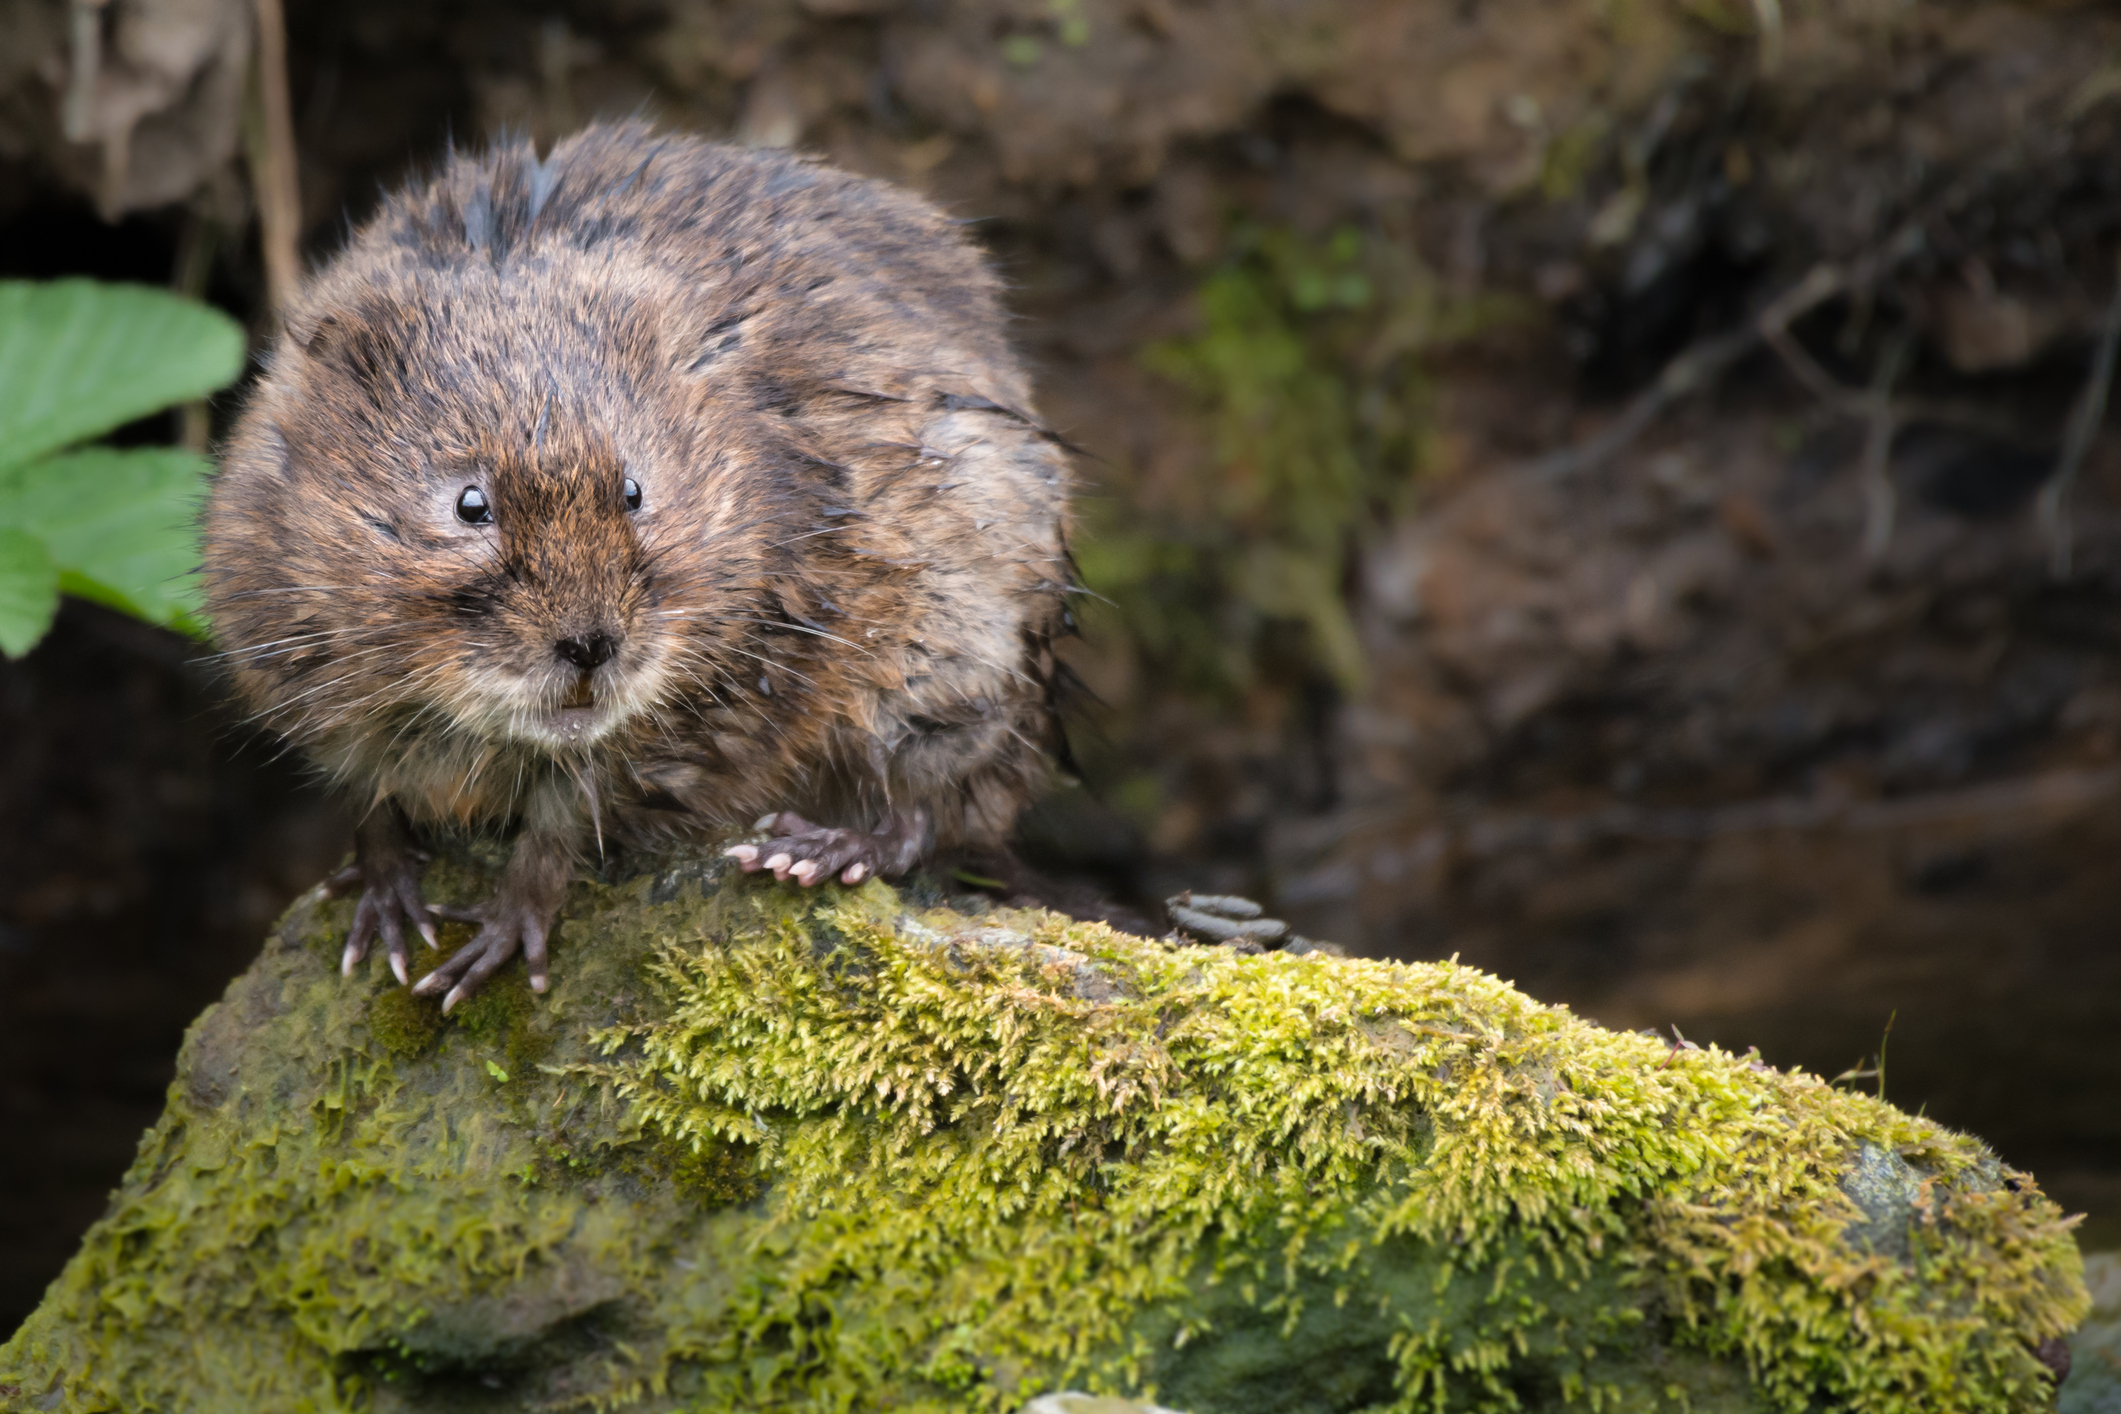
<point x="534" y="956"/>
<point x="810" y="853"/>
<point x="390" y="899"/>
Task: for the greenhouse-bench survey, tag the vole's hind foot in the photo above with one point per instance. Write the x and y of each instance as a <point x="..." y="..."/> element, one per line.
<point x="1239" y="924"/>
<point x="387" y="872"/>
<point x="811" y="854"/>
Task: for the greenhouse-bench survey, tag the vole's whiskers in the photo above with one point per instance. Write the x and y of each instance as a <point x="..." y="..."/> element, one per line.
<point x="297" y="644"/>
<point x="350" y="662"/>
<point x="769" y="662"/>
<point x="292" y="589"/>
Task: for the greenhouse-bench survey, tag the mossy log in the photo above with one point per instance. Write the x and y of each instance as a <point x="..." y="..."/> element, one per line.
<point x="763" y="1148"/>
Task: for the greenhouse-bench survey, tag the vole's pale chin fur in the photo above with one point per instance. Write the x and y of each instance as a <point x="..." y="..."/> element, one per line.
<point x="500" y="705"/>
<point x="764" y="521"/>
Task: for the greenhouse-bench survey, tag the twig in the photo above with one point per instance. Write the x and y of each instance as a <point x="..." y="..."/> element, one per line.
<point x="1698" y="366"/>
<point x="1768" y="14"/>
<point x="77" y="114"/>
<point x="1820" y="383"/>
<point x="1883" y="1042"/>
<point x="272" y="162"/>
<point x="1882" y="415"/>
<point x="77" y="109"/>
<point x="1693" y="370"/>
<point x="1877" y="480"/>
<point x="193" y="269"/>
<point x="2084" y="419"/>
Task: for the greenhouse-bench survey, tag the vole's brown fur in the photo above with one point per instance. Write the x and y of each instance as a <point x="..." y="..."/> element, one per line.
<point x="835" y="601"/>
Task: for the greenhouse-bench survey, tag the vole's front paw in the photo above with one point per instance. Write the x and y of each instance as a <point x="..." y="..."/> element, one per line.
<point x="390" y="903"/>
<point x="811" y="854"/>
<point x="508" y="924"/>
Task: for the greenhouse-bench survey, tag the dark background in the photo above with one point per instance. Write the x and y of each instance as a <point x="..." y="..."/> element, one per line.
<point x="1653" y="736"/>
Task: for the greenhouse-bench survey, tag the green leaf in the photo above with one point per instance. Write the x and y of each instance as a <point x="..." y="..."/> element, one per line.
<point x="121" y="526"/>
<point x="496" y="1072"/>
<point x="29" y="590"/>
<point x="78" y="357"/>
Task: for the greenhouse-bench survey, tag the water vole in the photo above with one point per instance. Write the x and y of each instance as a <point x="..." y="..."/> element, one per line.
<point x="658" y="484"/>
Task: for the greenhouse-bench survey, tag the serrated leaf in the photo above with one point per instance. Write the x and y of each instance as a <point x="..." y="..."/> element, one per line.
<point x="79" y="357"/>
<point x="121" y="524"/>
<point x="29" y="590"/>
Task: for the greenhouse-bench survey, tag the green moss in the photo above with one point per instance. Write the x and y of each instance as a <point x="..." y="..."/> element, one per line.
<point x="766" y="1149"/>
<point x="403" y="1024"/>
<point x="1025" y="1155"/>
<point x="1313" y="406"/>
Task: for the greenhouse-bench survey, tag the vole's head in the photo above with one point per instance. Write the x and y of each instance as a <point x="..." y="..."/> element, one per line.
<point x="446" y="537"/>
<point x="538" y="586"/>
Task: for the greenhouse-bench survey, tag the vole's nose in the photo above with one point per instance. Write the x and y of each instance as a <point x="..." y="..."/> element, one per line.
<point x="591" y="650"/>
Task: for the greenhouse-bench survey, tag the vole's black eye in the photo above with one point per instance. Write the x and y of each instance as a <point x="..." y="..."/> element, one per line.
<point x="633" y="494"/>
<point x="472" y="508"/>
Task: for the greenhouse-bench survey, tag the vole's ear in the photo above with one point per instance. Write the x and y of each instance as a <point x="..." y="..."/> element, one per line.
<point x="363" y="351"/>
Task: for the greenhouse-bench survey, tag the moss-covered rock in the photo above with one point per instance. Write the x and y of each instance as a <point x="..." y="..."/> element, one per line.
<point x="2094" y="1384"/>
<point x="763" y="1149"/>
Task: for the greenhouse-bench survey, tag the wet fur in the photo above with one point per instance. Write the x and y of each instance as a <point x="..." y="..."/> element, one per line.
<point x="839" y="595"/>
